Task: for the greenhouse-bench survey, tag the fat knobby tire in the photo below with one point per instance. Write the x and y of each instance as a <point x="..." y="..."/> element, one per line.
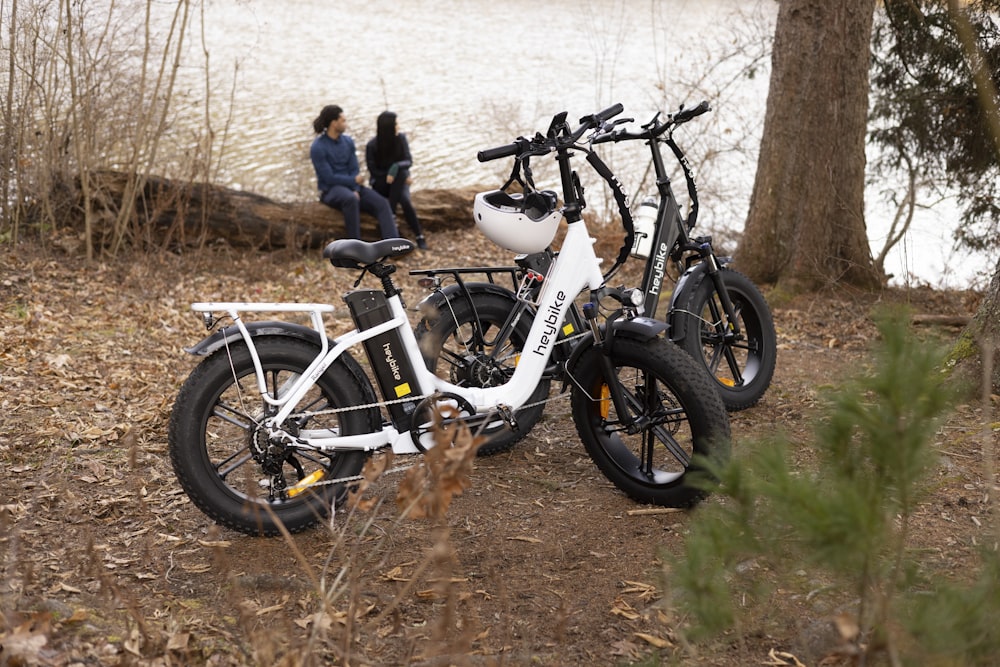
<point x="756" y="352"/>
<point x="684" y="406"/>
<point x="202" y="444"/>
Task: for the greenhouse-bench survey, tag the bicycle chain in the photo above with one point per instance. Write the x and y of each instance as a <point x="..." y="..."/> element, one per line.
<point x="358" y="478"/>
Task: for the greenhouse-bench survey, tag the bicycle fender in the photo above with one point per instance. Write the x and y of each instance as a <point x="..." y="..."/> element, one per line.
<point x="638" y="328"/>
<point x="686" y="286"/>
<point x="435" y="300"/>
<point x="231" y="334"/>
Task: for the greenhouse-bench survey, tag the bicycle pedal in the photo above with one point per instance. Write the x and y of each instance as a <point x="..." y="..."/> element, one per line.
<point x="507" y="415"/>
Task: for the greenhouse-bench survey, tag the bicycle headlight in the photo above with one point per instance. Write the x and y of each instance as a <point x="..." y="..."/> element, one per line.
<point x="635" y="297"/>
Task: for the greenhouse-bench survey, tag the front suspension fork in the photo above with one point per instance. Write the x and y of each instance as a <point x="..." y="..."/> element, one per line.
<point x="633" y="423"/>
<point x="704" y="248"/>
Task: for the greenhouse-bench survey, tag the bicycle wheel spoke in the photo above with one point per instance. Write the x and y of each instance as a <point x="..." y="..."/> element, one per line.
<point x="319" y="404"/>
<point x="662" y="435"/>
<point x="230" y="414"/>
<point x="224" y="472"/>
<point x="672" y="446"/>
<point x="715" y="360"/>
<point x="312" y="458"/>
<point x="734" y="364"/>
<point x="646" y="454"/>
<point x="278" y="388"/>
<point x="451" y="358"/>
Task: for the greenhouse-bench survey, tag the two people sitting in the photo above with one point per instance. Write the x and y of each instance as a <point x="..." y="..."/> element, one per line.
<point x="341" y="184"/>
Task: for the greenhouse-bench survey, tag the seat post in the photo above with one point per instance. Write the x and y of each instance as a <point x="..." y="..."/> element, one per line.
<point x="384" y="273"/>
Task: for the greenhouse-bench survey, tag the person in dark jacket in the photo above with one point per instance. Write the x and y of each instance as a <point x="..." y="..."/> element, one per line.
<point x="339" y="179"/>
<point x="389" y="160"/>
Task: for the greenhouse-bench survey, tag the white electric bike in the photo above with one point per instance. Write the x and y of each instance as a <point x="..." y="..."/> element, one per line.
<point x="277" y="420"/>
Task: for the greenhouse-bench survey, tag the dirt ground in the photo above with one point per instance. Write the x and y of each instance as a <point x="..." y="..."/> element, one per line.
<point x="105" y="561"/>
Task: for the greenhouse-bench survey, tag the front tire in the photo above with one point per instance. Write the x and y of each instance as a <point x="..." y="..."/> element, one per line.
<point x="226" y="463"/>
<point x="740" y="366"/>
<point x="682" y="416"/>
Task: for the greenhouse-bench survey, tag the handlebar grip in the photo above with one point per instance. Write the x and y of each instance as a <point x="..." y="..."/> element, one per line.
<point x="497" y="153"/>
<point x="606" y="137"/>
<point x="610" y="112"/>
<point x="684" y="115"/>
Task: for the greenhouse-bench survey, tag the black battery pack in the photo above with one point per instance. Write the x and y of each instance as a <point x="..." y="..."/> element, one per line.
<point x="391" y="366"/>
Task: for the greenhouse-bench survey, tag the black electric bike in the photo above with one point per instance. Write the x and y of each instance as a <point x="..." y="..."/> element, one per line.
<point x="474" y="330"/>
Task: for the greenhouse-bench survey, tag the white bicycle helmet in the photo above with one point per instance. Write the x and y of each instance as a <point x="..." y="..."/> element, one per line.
<point x="519" y="223"/>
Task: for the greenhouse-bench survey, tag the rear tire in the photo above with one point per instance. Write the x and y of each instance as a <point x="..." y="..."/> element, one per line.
<point x="685" y="417"/>
<point x="219" y="453"/>
<point x="455" y="351"/>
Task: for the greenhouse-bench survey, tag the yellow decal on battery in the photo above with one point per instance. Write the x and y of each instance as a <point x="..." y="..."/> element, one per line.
<point x="402" y="389"/>
<point x="568" y="329"/>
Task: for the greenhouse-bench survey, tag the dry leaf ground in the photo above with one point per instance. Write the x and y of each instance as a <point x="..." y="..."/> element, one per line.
<point x="103" y="560"/>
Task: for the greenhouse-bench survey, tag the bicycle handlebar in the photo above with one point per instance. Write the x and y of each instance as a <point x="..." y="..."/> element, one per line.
<point x="542" y="144"/>
<point x="560" y="138"/>
<point x="652" y="130"/>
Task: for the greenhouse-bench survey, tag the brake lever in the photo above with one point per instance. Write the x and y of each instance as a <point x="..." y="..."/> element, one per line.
<point x="607" y="126"/>
<point x="608" y="129"/>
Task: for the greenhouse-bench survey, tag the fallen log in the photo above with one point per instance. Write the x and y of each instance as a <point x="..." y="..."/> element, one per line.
<point x="170" y="212"/>
<point x="941" y="320"/>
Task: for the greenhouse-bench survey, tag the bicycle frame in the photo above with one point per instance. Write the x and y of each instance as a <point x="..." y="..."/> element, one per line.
<point x="670" y="235"/>
<point x="564" y="283"/>
<point x="669" y="230"/>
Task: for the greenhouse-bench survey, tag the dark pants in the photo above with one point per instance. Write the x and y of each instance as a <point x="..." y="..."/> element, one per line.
<point x="399" y="193"/>
<point x="351" y="203"/>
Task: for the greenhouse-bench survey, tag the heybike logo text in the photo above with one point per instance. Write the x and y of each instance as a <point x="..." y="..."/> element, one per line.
<point x="390" y="360"/>
<point x="551" y="324"/>
<point x="659" y="268"/>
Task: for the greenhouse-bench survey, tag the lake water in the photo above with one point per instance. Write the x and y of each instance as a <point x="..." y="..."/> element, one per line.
<point x="463" y="75"/>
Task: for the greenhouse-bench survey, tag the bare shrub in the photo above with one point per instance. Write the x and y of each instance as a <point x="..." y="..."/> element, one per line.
<point x="89" y="90"/>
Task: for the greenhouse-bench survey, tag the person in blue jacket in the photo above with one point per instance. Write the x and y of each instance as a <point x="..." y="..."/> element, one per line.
<point x="339" y="179"/>
<point x="389" y="161"/>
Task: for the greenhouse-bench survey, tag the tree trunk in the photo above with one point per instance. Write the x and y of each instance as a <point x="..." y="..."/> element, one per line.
<point x="975" y="352"/>
<point x="806" y="227"/>
<point x="983" y="333"/>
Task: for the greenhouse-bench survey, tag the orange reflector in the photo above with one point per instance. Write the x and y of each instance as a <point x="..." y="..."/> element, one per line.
<point x="605" y="401"/>
<point x="728" y="382"/>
